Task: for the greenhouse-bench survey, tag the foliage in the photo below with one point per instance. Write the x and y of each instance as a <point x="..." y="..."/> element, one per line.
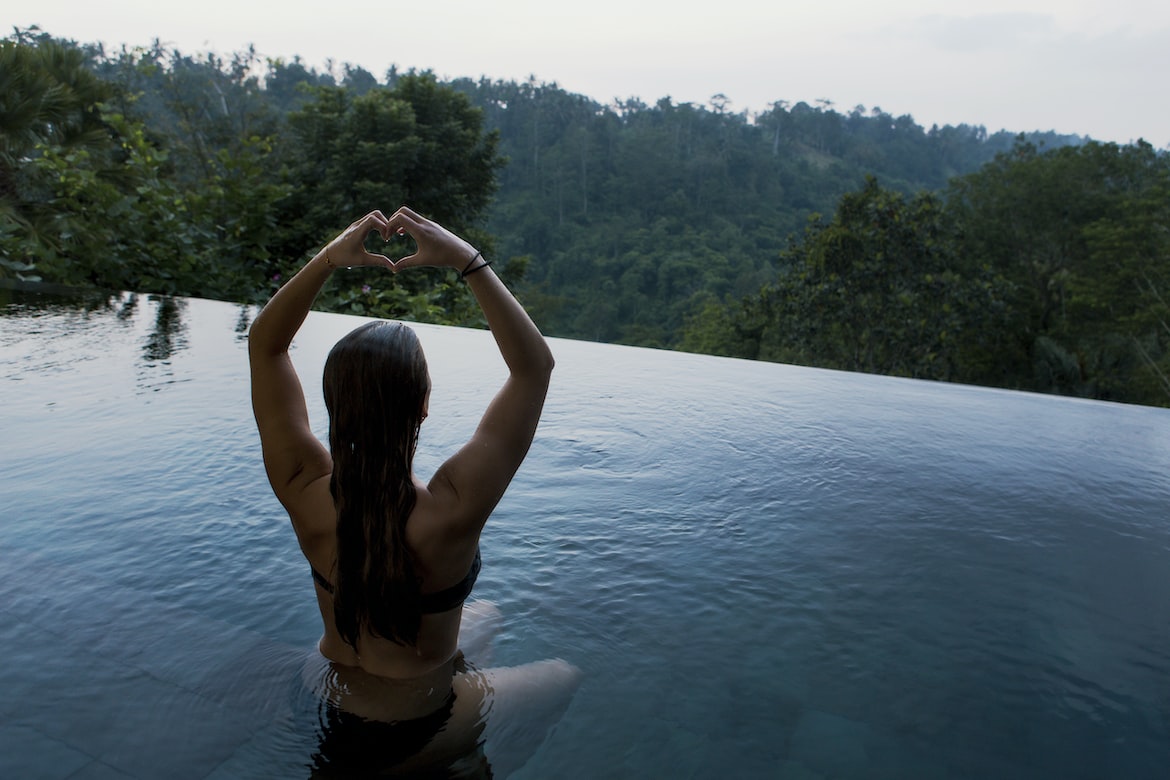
<point x="876" y="289"/>
<point x="1083" y="235"/>
<point x="48" y="103"/>
<point x="184" y="175"/>
<point x="636" y="214"/>
<point x="1038" y="262"/>
<point x="417" y="143"/>
<point x="1042" y="271"/>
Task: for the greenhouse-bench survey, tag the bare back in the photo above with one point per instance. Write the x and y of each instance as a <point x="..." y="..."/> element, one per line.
<point x="442" y="557"/>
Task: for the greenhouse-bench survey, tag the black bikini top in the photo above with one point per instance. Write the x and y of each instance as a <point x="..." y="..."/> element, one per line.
<point x="430" y="603"/>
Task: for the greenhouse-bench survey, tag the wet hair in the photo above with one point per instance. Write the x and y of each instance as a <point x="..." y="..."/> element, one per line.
<point x="376" y="385"/>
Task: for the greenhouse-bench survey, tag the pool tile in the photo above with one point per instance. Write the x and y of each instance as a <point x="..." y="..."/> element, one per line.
<point x="18" y="645"/>
<point x="794" y="770"/>
<point x="67" y="694"/>
<point x="276" y="751"/>
<point x="43" y="680"/>
<point x="260" y="680"/>
<point x="894" y="755"/>
<point x="73" y="606"/>
<point x="29" y="754"/>
<point x="183" y="648"/>
<point x="161" y="734"/>
<point x="830" y="744"/>
<point x="131" y="721"/>
<point x="96" y="770"/>
<point x="114" y="680"/>
<point x="743" y="755"/>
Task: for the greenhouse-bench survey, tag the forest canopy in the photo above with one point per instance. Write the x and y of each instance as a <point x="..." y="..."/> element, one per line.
<point x="846" y="239"/>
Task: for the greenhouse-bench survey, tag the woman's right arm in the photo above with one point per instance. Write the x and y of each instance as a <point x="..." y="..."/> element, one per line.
<point x="293" y="457"/>
<point x="473" y="480"/>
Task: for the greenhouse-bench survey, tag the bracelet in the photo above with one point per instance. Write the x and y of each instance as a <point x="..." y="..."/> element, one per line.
<point x="329" y="262"/>
<point x="479" y="267"/>
<point x="463" y="273"/>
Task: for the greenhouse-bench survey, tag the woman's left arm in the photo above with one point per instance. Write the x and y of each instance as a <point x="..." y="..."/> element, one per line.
<point x="293" y="457"/>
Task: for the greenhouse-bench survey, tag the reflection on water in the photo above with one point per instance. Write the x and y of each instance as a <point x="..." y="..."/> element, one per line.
<point x="129" y="307"/>
<point x="167" y="337"/>
<point x="760" y="570"/>
<point x="82" y="312"/>
<point x="243" y="322"/>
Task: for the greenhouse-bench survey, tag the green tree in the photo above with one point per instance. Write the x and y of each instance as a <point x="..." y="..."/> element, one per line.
<point x="194" y="106"/>
<point x="91" y="198"/>
<point x="418" y="143"/>
<point x="878" y="289"/>
<point x="1132" y="297"/>
<point x="49" y="105"/>
<point x="1081" y="233"/>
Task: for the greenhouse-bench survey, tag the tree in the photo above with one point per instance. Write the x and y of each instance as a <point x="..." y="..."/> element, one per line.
<point x="876" y="289"/>
<point x="1132" y="299"/>
<point x="1081" y="233"/>
<point x="418" y="143"/>
<point x="92" y="197"/>
<point x="48" y="102"/>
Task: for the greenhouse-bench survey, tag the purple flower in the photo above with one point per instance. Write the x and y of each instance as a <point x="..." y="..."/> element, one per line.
<point x="365" y="288"/>
<point x="276" y="277"/>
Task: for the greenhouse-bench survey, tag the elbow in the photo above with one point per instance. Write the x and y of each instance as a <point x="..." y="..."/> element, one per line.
<point x="255" y="339"/>
<point x="547" y="362"/>
<point x="260" y="343"/>
<point x="538" y="364"/>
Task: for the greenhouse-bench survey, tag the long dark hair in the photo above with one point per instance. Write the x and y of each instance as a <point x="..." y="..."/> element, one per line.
<point x="376" y="385"/>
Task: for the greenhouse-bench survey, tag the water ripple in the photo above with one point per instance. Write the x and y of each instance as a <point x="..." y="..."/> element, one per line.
<point x="835" y="571"/>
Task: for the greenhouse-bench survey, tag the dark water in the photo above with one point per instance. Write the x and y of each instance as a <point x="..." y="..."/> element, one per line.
<point x="762" y="570"/>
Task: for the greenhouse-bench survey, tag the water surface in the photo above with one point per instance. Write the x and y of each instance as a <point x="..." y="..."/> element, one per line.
<point x="762" y="570"/>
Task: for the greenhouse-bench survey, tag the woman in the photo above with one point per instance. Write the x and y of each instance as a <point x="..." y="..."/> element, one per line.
<point x="394" y="558"/>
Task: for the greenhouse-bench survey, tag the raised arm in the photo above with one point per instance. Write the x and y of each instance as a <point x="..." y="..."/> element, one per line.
<point x="293" y="457"/>
<point x="472" y="481"/>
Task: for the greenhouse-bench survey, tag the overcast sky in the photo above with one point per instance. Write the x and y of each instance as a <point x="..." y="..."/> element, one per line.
<point x="1091" y="67"/>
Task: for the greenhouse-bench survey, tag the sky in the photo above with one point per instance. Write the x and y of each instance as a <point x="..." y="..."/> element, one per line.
<point x="1088" y="67"/>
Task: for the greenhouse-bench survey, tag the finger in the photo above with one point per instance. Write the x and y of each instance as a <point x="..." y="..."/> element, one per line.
<point x="410" y="261"/>
<point x="409" y="220"/>
<point x="397" y="226"/>
<point x="374" y="258"/>
<point x="405" y="216"/>
<point x="355" y="235"/>
<point x="376" y="220"/>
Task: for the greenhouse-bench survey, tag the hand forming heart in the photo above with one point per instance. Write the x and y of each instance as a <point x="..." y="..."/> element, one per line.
<point x="434" y="245"/>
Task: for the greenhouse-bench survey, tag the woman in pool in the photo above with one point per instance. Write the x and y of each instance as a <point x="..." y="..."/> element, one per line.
<point x="393" y="558"/>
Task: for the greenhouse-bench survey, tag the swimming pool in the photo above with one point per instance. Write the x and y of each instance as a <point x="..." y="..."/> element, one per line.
<point x="762" y="570"/>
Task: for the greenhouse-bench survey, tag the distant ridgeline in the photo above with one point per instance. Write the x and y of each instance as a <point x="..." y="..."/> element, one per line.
<point x="853" y="240"/>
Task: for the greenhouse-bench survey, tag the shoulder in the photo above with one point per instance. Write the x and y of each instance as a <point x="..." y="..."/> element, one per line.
<point x="460" y="507"/>
<point x="437" y="531"/>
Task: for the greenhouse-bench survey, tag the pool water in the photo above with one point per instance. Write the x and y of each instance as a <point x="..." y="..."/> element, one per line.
<point x="761" y="570"/>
